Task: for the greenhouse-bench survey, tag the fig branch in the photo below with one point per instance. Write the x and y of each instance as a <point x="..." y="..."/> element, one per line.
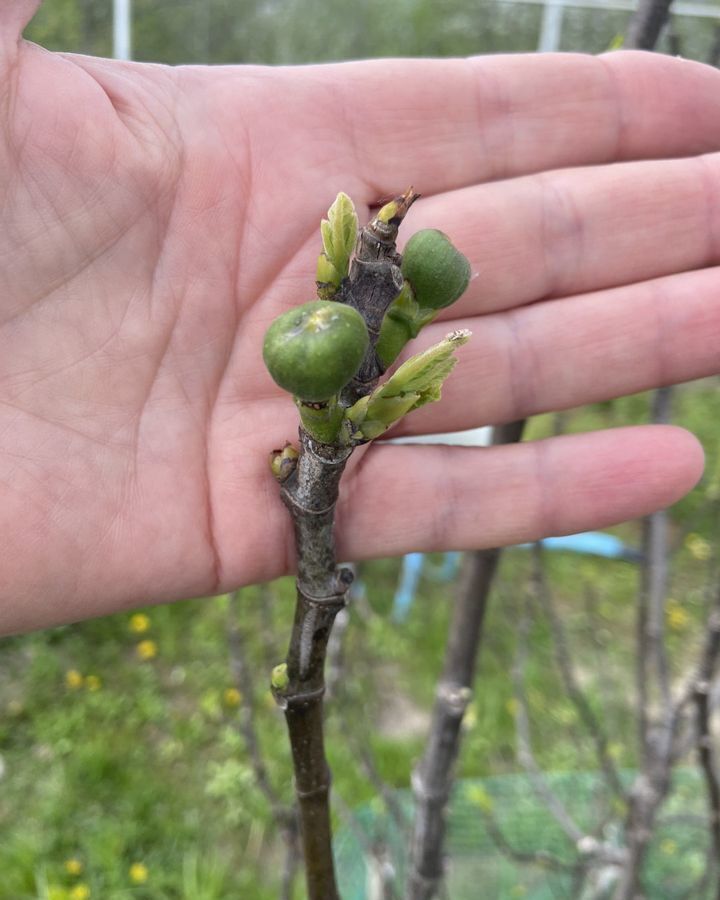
<point x="329" y="354"/>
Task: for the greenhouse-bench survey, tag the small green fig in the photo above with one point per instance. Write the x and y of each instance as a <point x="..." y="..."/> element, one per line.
<point x="314" y="350"/>
<point x="437" y="271"/>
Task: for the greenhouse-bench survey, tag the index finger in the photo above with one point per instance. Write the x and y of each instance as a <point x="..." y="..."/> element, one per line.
<point x="445" y="124"/>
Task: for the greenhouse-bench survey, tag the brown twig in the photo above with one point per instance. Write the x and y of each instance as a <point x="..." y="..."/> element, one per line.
<point x="309" y="490"/>
<point x="657" y="732"/>
<point x="433" y="778"/>
<point x="647" y="24"/>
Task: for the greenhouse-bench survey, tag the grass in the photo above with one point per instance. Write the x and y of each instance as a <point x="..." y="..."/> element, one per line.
<point x="124" y="773"/>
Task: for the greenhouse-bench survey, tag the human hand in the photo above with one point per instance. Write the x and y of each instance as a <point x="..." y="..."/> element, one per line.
<point x="156" y="220"/>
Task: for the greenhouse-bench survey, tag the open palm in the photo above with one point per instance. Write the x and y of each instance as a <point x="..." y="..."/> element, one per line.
<point x="156" y="220"/>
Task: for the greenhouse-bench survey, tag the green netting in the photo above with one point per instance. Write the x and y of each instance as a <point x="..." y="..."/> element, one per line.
<point x="478" y="867"/>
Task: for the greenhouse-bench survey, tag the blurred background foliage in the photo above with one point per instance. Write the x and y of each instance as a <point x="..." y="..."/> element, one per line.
<point x="283" y="32"/>
<point x="123" y="769"/>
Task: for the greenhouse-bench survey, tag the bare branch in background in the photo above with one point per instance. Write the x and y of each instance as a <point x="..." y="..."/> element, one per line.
<point x="541" y="858"/>
<point x="285" y="816"/>
<point x="647" y="24"/>
<point x="565" y="664"/>
<point x="713" y="57"/>
<point x="658" y="718"/>
<point x="367" y="761"/>
<point x="598" y="860"/>
<point x="706" y="756"/>
<point x="242" y="677"/>
<point x="525" y="753"/>
<point x="381" y="874"/>
<point x="355" y="670"/>
<point x="673" y="38"/>
<point x="433" y="778"/>
<point x="291" y="864"/>
<point x="652" y="663"/>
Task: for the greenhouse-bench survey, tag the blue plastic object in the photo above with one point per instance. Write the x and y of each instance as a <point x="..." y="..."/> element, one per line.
<point x="414" y="565"/>
<point x="592" y="543"/>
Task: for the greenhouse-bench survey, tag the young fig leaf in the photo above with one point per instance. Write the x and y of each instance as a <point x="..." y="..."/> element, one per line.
<point x="339" y="233"/>
<point x="417" y="382"/>
<point x="425" y="372"/>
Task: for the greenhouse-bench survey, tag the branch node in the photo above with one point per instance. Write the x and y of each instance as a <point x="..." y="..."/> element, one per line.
<point x="456" y="697"/>
<point x="314" y="792"/>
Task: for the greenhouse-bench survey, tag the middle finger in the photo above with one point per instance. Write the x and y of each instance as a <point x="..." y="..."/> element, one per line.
<point x="569" y="231"/>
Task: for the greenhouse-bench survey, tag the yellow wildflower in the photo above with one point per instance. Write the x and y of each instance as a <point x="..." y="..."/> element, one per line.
<point x="139" y="873"/>
<point x="93" y="683"/>
<point x="139" y="623"/>
<point x="73" y="866"/>
<point x="677" y="617"/>
<point x="697" y="545"/>
<point x="511" y="705"/>
<point x="73" y="679"/>
<point x="668" y="847"/>
<point x="146" y="650"/>
<point x="80" y="892"/>
<point x="232" y="697"/>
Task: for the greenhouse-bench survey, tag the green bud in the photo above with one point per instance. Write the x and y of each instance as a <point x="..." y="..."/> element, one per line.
<point x="314" y="350"/>
<point x="283" y="462"/>
<point x="390" y="215"/>
<point x="437" y="271"/>
<point x="390" y="210"/>
<point x="279" y="677"/>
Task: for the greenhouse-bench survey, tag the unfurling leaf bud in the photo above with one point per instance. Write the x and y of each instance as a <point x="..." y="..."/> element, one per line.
<point x="417" y="382"/>
<point x="425" y="372"/>
<point x="437" y="271"/>
<point x="314" y="350"/>
<point x="339" y="233"/>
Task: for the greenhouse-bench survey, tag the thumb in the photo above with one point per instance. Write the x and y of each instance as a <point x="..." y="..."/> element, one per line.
<point x="14" y="16"/>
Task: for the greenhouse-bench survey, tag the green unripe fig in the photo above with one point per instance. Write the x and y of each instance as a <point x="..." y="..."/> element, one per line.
<point x="314" y="350"/>
<point x="437" y="271"/>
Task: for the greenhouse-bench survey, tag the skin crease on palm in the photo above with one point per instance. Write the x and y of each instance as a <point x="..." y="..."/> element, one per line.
<point x="156" y="220"/>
